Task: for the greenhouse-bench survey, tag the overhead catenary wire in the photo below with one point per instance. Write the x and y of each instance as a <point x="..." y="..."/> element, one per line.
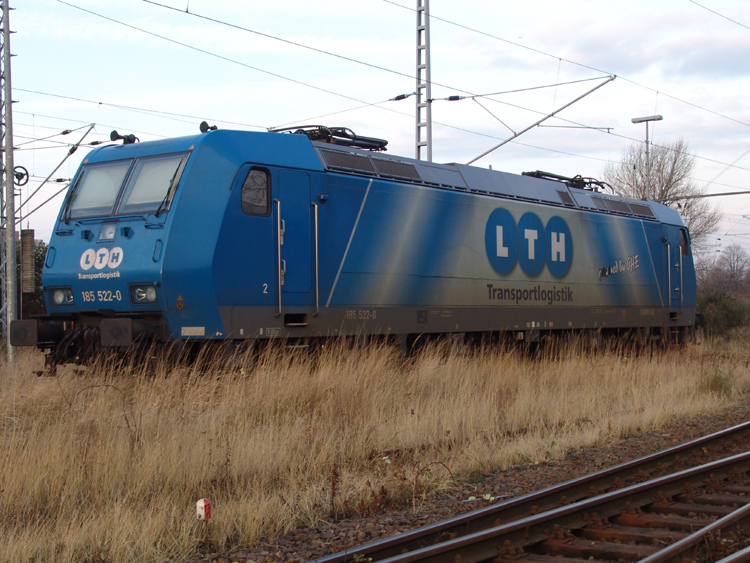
<point x="454" y="127"/>
<point x="309" y="119"/>
<point x="70" y="152"/>
<point x="610" y="79"/>
<point x="301" y="45"/>
<point x="400" y="97"/>
<point x="204" y="51"/>
<point x="369" y="64"/>
<point x="282" y="40"/>
<point x="490" y="136"/>
<point x="146" y="111"/>
<point x="366" y="104"/>
<point x="493" y="115"/>
<point x="209" y="53"/>
<point x="378" y="104"/>
<point x="55" y="144"/>
<point x="718" y="14"/>
<point x="34" y="126"/>
<point x="410" y="76"/>
<point x="570" y="61"/>
<point x="354" y="60"/>
<point x="516" y="91"/>
<point x="702" y="196"/>
<point x="45" y="202"/>
<point x="727" y="167"/>
<point x="32" y="149"/>
<point x="87" y="122"/>
<point x="37" y="139"/>
<point x="69" y="119"/>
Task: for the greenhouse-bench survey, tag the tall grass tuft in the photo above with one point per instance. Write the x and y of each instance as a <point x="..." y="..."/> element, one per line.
<point x="107" y="464"/>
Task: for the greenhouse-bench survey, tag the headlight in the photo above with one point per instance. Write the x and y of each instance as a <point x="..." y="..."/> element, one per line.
<point x="143" y="294"/>
<point x="62" y="296"/>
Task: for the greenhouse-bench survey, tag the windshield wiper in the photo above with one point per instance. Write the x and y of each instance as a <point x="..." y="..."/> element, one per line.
<point x="169" y="189"/>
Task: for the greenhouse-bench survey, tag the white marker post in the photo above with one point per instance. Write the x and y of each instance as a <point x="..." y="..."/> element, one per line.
<point x="203" y="509"/>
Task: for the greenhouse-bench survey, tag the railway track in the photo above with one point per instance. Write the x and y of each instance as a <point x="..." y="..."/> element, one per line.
<point x="687" y="503"/>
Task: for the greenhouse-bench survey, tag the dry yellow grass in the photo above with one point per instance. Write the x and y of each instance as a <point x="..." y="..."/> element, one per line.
<point x="108" y="464"/>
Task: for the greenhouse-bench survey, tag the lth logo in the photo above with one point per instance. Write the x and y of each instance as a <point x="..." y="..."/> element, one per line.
<point x="99" y="259"/>
<point x="529" y="243"/>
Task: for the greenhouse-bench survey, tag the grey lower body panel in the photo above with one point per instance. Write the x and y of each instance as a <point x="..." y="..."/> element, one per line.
<point x="264" y="322"/>
<point x="109" y="332"/>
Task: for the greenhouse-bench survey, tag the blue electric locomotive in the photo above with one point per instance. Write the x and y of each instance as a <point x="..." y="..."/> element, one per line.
<point x="239" y="236"/>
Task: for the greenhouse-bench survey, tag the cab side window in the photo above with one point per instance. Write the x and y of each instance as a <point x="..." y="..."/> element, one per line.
<point x="256" y="193"/>
<point x="683" y="243"/>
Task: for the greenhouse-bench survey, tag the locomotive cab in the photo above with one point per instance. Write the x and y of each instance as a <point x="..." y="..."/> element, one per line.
<point x="110" y="231"/>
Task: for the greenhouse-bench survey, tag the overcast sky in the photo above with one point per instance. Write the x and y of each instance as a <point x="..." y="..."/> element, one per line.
<point x="159" y="69"/>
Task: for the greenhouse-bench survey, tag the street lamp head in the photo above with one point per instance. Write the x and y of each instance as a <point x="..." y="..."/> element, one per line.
<point x="646" y="119"/>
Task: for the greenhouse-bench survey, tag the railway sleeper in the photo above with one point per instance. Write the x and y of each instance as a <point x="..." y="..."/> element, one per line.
<point x="685" y="509"/>
<point x="536" y="558"/>
<point x="671" y="522"/>
<point x="585" y="549"/>
<point x="738" y="489"/>
<point x="633" y="533"/>
<point x="725" y="499"/>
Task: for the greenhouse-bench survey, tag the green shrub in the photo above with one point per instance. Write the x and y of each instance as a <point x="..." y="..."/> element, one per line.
<point x="720" y="312"/>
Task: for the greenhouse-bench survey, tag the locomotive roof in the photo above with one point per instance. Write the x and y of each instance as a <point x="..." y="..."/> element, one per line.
<point x="461" y="177"/>
<point x="451" y="176"/>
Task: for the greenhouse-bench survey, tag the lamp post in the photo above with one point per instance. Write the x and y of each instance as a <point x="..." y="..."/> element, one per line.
<point x="648" y="163"/>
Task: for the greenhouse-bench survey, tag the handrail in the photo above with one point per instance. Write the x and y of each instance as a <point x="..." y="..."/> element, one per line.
<point x="669" y="276"/>
<point x="278" y="250"/>
<point x="317" y="287"/>
<point x="682" y="287"/>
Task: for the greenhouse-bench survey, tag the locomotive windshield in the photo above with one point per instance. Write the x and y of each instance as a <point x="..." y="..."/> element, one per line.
<point x="149" y="185"/>
<point x="97" y="188"/>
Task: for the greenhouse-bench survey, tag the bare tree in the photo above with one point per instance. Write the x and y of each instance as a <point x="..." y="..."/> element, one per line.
<point x="708" y="273"/>
<point x="735" y="264"/>
<point x="669" y="182"/>
<point x="726" y="271"/>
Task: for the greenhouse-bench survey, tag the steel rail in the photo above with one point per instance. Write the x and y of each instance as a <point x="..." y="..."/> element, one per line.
<point x="738" y="557"/>
<point x="741" y="515"/>
<point x="538" y="501"/>
<point x="489" y="543"/>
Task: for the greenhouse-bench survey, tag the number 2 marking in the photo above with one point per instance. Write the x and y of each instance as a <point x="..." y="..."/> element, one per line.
<point x="265" y="288"/>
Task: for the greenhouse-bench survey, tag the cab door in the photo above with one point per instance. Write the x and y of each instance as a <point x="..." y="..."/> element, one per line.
<point x="676" y="249"/>
<point x="293" y="209"/>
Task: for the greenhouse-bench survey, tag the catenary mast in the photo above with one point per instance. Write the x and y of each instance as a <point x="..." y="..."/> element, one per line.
<point x="424" y="83"/>
<point x="8" y="266"/>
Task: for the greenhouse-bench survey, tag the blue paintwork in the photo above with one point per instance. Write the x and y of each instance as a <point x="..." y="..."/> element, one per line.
<point x="382" y="242"/>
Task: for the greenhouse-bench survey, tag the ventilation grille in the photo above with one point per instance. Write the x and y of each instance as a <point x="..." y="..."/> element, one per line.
<point x="617" y="206"/>
<point x="599" y="202"/>
<point x="642" y="210"/>
<point x="566" y="199"/>
<point x="396" y="169"/>
<point x="348" y="161"/>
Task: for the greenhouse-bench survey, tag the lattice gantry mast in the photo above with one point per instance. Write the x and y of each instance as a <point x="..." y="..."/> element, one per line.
<point x="8" y="266"/>
<point x="424" y="83"/>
